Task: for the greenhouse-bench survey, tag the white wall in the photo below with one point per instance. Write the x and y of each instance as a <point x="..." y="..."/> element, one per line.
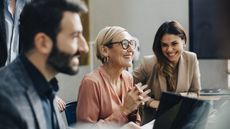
<point x="141" y="18"/>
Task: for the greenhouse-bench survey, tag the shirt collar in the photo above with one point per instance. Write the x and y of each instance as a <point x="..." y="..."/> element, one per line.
<point x="43" y="87"/>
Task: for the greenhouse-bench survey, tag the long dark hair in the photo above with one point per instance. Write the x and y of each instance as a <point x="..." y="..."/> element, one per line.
<point x="163" y="65"/>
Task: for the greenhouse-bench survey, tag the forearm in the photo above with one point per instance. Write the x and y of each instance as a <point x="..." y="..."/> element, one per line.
<point x="123" y="118"/>
<point x="118" y="116"/>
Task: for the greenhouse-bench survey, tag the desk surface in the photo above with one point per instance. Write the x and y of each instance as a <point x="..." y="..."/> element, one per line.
<point x="214" y="92"/>
<point x="209" y="97"/>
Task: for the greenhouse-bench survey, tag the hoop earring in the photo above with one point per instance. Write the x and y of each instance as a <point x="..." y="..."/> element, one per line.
<point x="105" y="60"/>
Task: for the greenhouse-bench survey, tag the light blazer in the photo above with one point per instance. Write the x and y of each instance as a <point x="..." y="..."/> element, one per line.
<point x="20" y="104"/>
<point x="188" y="75"/>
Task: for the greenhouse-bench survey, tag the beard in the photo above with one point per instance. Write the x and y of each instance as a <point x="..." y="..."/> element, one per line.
<point x="61" y="61"/>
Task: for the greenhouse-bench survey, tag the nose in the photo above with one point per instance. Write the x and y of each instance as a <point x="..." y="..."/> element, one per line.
<point x="83" y="47"/>
<point x="170" y="48"/>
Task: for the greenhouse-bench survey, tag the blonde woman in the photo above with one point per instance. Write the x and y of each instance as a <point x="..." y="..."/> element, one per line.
<point x="108" y="95"/>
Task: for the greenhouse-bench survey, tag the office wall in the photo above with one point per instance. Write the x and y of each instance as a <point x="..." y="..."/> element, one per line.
<point x="141" y="18"/>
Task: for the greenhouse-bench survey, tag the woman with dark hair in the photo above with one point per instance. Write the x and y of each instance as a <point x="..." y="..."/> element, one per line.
<point x="170" y="68"/>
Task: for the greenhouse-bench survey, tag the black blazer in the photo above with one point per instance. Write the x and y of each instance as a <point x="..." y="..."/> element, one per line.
<point x="3" y="48"/>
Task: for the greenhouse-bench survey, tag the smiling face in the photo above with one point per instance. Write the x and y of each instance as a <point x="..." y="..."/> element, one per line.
<point x="70" y="44"/>
<point x="118" y="56"/>
<point x="172" y="47"/>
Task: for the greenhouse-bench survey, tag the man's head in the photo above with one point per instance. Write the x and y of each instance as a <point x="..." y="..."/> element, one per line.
<point x="53" y="29"/>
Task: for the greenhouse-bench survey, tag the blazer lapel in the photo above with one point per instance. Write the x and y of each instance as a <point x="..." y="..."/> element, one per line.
<point x="37" y="108"/>
<point x="182" y="71"/>
<point x="162" y="81"/>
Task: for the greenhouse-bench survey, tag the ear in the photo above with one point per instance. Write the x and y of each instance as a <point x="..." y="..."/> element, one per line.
<point x="104" y="51"/>
<point x="43" y="43"/>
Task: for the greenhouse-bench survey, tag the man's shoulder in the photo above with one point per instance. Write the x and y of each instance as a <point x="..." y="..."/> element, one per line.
<point x="11" y="76"/>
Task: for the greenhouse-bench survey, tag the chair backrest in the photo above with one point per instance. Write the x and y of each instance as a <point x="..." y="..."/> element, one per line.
<point x="70" y="112"/>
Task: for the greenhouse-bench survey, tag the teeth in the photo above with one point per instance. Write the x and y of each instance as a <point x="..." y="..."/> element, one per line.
<point x="172" y="54"/>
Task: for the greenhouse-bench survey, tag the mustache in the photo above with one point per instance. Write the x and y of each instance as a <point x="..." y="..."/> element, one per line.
<point x="77" y="54"/>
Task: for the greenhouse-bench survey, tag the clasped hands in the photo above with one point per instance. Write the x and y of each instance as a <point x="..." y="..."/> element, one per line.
<point x="135" y="97"/>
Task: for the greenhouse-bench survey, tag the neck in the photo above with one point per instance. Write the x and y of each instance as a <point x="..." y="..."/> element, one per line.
<point x="113" y="72"/>
<point x="40" y="63"/>
<point x="12" y="7"/>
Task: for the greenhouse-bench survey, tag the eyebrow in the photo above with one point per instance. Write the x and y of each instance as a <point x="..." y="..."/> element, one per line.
<point x="170" y="42"/>
<point x="76" y="32"/>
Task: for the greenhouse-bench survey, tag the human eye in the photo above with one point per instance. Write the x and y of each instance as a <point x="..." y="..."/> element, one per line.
<point x="164" y="45"/>
<point x="125" y="43"/>
<point x="76" y="35"/>
<point x="174" y="43"/>
<point x="132" y="42"/>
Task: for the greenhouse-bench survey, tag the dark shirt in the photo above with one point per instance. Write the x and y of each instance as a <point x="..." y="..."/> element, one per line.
<point x="46" y="90"/>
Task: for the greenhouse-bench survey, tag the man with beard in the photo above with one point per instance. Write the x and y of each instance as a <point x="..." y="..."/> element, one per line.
<point x="9" y="35"/>
<point x="52" y="41"/>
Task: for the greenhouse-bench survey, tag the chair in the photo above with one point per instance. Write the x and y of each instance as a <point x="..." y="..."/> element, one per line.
<point x="70" y="112"/>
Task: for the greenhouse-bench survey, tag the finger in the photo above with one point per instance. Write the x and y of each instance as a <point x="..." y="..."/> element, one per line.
<point x="140" y="98"/>
<point x="142" y="103"/>
<point x="147" y="98"/>
<point x="144" y="87"/>
<point x="60" y="108"/>
<point x="146" y="92"/>
<point x="139" y="84"/>
<point x="138" y="89"/>
<point x="63" y="107"/>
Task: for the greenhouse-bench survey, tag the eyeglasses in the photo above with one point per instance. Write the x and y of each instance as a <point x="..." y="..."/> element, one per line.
<point x="125" y="44"/>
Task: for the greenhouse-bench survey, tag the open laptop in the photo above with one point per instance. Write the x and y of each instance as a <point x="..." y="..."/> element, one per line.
<point x="179" y="112"/>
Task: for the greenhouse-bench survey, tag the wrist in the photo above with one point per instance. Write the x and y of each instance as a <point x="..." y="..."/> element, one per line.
<point x="124" y="112"/>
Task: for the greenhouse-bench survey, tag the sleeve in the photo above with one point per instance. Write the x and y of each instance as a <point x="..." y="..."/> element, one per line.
<point x="88" y="108"/>
<point x="88" y="102"/>
<point x="117" y="117"/>
<point x="140" y="74"/>
<point x="195" y="84"/>
<point x="9" y="117"/>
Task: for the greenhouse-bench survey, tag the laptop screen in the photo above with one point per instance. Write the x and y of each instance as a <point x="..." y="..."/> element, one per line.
<point x="179" y="112"/>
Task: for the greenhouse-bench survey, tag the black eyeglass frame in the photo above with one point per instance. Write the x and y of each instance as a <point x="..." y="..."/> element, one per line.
<point x="131" y="43"/>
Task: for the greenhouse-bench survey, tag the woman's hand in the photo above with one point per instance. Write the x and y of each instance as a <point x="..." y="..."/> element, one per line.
<point x="154" y="104"/>
<point x="136" y="96"/>
<point x="61" y="104"/>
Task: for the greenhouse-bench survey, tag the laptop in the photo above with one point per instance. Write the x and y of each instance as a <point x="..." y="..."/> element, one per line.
<point x="179" y="112"/>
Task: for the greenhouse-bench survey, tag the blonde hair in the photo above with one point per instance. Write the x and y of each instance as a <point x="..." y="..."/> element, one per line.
<point x="105" y="36"/>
